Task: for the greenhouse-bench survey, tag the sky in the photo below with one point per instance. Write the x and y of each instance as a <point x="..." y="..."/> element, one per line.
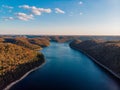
<point x="60" y="17"/>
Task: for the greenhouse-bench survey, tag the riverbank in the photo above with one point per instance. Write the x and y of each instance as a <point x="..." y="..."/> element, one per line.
<point x="103" y="66"/>
<point x="67" y="69"/>
<point x="25" y="75"/>
<point x="80" y="48"/>
<point x="13" y="77"/>
<point x="19" y="55"/>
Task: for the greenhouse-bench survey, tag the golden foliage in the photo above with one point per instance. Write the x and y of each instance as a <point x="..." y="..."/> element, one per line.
<point x="12" y="55"/>
<point x="21" y="41"/>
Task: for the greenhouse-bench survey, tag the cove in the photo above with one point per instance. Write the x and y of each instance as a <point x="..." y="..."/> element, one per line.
<point x="67" y="69"/>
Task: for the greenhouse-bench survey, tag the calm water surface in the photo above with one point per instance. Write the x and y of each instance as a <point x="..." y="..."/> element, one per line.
<point x="67" y="69"/>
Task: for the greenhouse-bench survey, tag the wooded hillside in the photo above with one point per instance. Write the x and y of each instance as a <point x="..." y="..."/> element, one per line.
<point x="16" y="58"/>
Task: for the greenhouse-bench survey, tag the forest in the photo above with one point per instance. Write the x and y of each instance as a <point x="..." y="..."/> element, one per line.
<point x="105" y="52"/>
<point x="18" y="56"/>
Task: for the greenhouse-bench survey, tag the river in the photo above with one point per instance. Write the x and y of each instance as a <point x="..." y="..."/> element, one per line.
<point x="67" y="69"/>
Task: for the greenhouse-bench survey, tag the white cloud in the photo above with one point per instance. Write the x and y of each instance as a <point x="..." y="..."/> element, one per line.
<point x="80" y="3"/>
<point x="24" y="6"/>
<point x="8" y="18"/>
<point x="58" y="10"/>
<point x="36" y="11"/>
<point x="45" y="10"/>
<point x="8" y="7"/>
<point x="24" y="17"/>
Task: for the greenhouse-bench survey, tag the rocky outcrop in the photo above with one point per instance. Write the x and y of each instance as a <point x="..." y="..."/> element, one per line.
<point x="106" y="53"/>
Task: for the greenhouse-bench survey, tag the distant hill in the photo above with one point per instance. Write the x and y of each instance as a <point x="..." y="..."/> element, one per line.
<point x="66" y="38"/>
<point x="62" y="39"/>
<point x="105" y="52"/>
<point x="43" y="42"/>
<point x="31" y="43"/>
<point x="23" y="42"/>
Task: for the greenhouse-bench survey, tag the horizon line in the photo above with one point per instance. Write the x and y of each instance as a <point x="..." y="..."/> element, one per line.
<point x="58" y="35"/>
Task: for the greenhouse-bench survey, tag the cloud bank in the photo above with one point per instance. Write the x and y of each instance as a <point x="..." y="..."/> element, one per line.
<point x="24" y="17"/>
<point x="36" y="11"/>
<point x="29" y="12"/>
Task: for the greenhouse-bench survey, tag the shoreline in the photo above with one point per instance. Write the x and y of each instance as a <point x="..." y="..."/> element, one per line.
<point x="100" y="64"/>
<point x="25" y="75"/>
<point x="97" y="62"/>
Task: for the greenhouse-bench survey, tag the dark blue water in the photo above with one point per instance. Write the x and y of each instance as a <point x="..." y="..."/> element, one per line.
<point x="67" y="69"/>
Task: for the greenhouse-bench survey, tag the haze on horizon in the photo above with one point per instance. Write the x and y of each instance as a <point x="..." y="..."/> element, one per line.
<point x="60" y="17"/>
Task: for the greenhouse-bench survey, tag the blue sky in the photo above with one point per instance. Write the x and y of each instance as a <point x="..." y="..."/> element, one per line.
<point x="61" y="17"/>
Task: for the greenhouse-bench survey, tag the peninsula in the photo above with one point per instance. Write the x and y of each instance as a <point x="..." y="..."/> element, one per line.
<point x="18" y="56"/>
